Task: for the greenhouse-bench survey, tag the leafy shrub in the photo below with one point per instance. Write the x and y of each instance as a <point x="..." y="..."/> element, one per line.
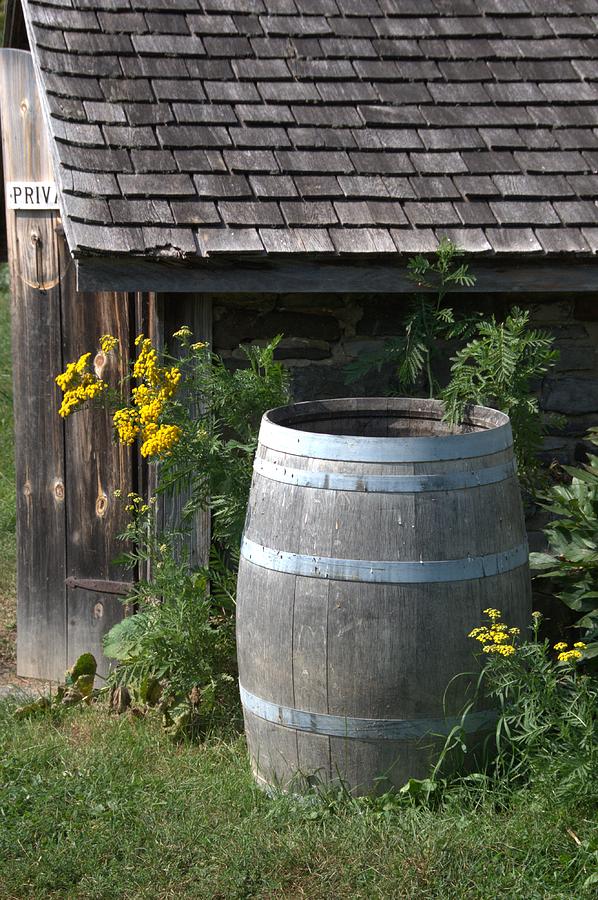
<point x="547" y="722"/>
<point x="573" y="540"/>
<point x="497" y="369"/>
<point x="428" y="323"/>
<point x="497" y="366"/>
<point x="218" y="413"/>
<point x="198" y="422"/>
<point x="177" y="651"/>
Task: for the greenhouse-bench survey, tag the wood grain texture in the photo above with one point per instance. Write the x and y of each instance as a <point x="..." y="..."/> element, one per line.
<point x="365" y="650"/>
<point x="313" y="276"/>
<point x="36" y="274"/>
<point x="95" y="466"/>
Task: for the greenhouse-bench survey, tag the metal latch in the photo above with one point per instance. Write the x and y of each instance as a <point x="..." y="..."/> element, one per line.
<point x="99" y="586"/>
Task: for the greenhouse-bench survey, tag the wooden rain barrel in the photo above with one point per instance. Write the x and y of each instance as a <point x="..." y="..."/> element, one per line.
<point x="375" y="537"/>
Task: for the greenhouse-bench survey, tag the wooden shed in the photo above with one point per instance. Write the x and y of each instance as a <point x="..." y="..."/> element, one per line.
<point x="254" y="166"/>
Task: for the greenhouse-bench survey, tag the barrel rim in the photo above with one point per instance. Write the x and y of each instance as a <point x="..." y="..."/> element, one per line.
<point x="278" y="432"/>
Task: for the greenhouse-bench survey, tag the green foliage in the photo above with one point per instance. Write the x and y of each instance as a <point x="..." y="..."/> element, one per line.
<point x="219" y="414"/>
<point x="573" y="540"/>
<point x="497" y="369"/>
<point x="178" y="650"/>
<point x="78" y="687"/>
<point x="427" y="323"/>
<point x="548" y="721"/>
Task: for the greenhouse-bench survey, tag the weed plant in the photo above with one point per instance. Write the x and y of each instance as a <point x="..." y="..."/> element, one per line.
<point x="572" y="534"/>
<point x="498" y="363"/>
<point x="197" y="422"/>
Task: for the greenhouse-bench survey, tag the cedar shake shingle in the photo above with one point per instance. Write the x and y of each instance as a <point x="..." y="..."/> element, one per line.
<point x="314" y="126"/>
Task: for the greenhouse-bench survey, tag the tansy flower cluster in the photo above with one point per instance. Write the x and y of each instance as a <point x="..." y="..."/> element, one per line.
<point x="137" y="503"/>
<point x="78" y="384"/>
<point x="108" y="343"/>
<point x="567" y="655"/>
<point x="495" y="637"/>
<point x="157" y="384"/>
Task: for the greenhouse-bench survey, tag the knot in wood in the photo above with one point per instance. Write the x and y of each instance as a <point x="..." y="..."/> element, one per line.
<point x="24" y="104"/>
<point x="35" y="239"/>
<point x="98" y="610"/>
<point x="27" y="489"/>
<point x="99" y="362"/>
<point x="101" y="505"/>
<point x="59" y="490"/>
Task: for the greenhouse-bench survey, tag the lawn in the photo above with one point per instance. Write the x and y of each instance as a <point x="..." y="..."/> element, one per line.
<point x="100" y="806"/>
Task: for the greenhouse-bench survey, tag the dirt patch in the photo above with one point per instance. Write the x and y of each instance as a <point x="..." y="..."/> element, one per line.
<point x="8" y="636"/>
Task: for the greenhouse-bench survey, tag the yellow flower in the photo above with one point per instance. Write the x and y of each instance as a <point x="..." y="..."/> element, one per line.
<point x="580" y="645"/>
<point x="536" y="614"/>
<point x="199" y="345"/>
<point x="159" y="440"/>
<point x="150" y="412"/>
<point x="78" y="385"/>
<point x="570" y="656"/>
<point x="108" y="343"/>
<point x="495" y="637"/>
<point x="183" y="333"/>
<point x="127" y="425"/>
<point x="560" y="646"/>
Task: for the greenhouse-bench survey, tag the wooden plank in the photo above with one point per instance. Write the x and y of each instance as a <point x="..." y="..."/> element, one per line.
<point x="308" y="276"/>
<point x="195" y="311"/>
<point x="95" y="467"/>
<point x="37" y="355"/>
<point x="264" y="644"/>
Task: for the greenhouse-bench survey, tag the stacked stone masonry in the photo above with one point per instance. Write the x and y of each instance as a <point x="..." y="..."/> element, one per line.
<point x="322" y="333"/>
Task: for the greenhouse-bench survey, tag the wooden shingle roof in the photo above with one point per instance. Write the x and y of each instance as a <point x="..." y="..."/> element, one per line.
<point x="195" y="128"/>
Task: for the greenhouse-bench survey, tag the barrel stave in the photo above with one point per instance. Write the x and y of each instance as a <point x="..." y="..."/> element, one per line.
<point x="431" y="525"/>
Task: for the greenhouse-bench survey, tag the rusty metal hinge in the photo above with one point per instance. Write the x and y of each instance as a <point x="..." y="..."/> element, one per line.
<point x="99" y="586"/>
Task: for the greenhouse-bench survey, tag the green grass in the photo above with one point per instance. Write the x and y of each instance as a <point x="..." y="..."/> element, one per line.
<point x="7" y="487"/>
<point x="99" y="806"/>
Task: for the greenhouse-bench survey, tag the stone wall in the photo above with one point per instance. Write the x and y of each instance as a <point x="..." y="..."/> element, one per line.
<point x="322" y="333"/>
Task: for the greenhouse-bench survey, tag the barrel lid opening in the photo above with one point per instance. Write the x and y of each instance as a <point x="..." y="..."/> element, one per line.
<point x="383" y="429"/>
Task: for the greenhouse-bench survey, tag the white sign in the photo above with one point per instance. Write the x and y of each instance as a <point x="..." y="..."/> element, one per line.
<point x="31" y="195"/>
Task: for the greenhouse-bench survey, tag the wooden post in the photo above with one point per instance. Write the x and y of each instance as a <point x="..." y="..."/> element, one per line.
<point x="37" y="353"/>
<point x="68" y="521"/>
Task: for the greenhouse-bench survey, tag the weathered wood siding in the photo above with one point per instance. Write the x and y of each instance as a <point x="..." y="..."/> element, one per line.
<point x="37" y="356"/>
<point x="356" y="596"/>
<point x="67" y="517"/>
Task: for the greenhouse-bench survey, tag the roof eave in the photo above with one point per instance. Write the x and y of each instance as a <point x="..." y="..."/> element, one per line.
<point x="506" y="273"/>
